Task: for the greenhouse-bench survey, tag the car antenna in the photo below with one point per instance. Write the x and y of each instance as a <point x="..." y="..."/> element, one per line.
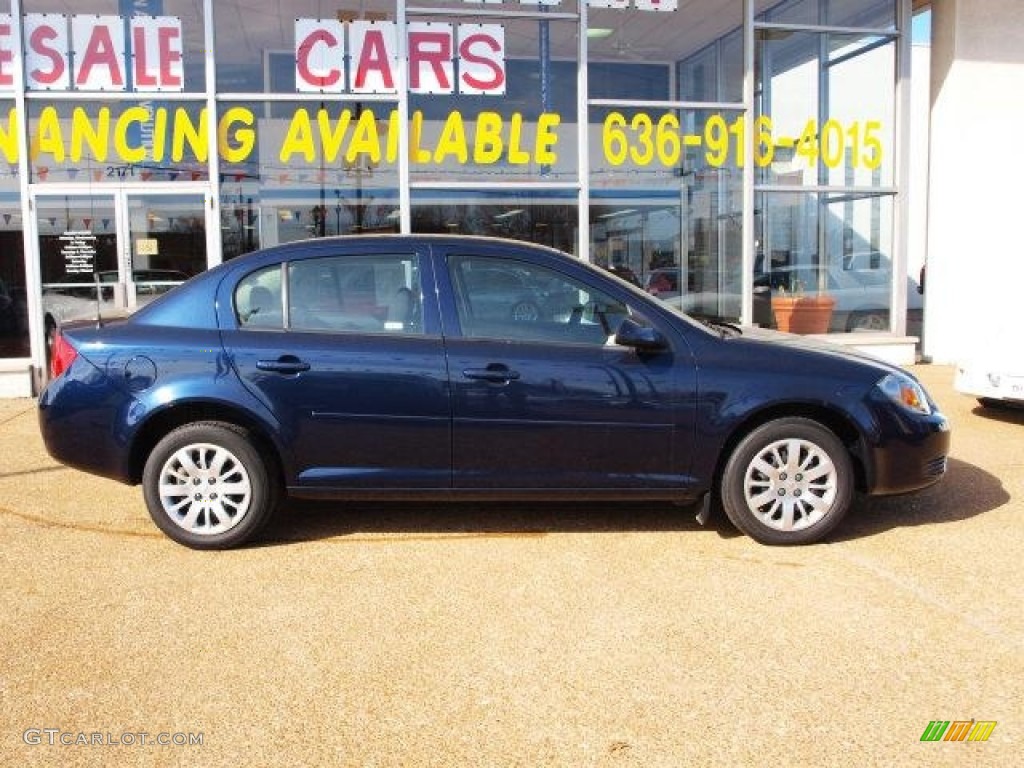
<point x="99" y="299"/>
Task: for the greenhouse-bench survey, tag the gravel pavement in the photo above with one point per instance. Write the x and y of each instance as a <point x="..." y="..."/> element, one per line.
<point x="513" y="635"/>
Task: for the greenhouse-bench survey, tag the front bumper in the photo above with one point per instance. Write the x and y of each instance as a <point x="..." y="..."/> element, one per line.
<point x="911" y="453"/>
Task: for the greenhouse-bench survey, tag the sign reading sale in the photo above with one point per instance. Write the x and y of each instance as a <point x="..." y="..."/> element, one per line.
<point x="101" y="60"/>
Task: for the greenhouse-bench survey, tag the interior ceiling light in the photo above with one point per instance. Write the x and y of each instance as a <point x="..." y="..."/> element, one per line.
<point x="599" y="33"/>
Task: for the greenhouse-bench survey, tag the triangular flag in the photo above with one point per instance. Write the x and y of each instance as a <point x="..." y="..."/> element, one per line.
<point x="88" y="223"/>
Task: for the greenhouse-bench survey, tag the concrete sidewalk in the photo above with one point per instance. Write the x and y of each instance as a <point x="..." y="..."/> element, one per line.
<point x="469" y="635"/>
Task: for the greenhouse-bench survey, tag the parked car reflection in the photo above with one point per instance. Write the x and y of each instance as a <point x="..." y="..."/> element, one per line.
<point x="74" y="296"/>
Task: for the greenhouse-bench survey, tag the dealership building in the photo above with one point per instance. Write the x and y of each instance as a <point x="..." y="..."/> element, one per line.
<point x="744" y="159"/>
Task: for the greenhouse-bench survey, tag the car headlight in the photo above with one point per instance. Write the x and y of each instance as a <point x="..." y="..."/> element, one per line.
<point x="903" y="390"/>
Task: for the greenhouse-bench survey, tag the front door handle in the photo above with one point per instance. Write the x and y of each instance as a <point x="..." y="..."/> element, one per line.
<point x="288" y="364"/>
<point x="494" y="373"/>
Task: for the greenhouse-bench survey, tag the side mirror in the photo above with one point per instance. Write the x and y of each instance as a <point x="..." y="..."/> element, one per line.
<point x="640" y="337"/>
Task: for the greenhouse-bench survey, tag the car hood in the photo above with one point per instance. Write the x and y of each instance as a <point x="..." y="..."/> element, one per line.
<point x="815" y="345"/>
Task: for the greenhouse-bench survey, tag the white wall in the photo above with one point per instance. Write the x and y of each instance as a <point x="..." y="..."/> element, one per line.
<point x="975" y="287"/>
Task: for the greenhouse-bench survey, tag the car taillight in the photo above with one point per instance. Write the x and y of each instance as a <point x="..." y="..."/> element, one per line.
<point x="62" y="355"/>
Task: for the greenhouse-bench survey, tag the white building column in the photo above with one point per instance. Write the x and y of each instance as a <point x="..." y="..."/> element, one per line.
<point x="975" y="278"/>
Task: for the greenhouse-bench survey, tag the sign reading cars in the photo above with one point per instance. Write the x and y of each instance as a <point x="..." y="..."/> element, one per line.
<point x="362" y="57"/>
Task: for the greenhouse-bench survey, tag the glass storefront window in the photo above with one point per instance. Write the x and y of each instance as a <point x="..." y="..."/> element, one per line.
<point x="665" y="209"/>
<point x="836" y="245"/>
<point x="826" y="118"/>
<point x="523" y="129"/>
<point x="306" y="169"/>
<point x="635" y="36"/>
<point x="548" y="218"/>
<point x="666" y="204"/>
<point x="112" y="142"/>
<point x="256" y="42"/>
<point x="866" y="14"/>
<point x="179" y="53"/>
<point x="13" y="293"/>
<point x="77" y="250"/>
<point x="491" y="138"/>
<point x="715" y="73"/>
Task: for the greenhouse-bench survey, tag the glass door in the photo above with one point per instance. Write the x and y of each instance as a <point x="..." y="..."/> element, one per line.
<point x="166" y="243"/>
<point x="78" y="258"/>
<point x="109" y="253"/>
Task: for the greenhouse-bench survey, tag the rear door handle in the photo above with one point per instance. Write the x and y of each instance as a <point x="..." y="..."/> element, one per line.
<point x="284" y="364"/>
<point x="496" y="374"/>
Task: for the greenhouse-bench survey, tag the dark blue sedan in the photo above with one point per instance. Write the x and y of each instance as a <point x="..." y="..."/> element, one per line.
<point x="381" y="367"/>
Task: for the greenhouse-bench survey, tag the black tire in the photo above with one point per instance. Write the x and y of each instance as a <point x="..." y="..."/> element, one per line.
<point x="868" y="320"/>
<point x="198" y="460"/>
<point x="996" y="404"/>
<point x="778" y="499"/>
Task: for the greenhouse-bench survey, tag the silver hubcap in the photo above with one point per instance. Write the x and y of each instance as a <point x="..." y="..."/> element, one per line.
<point x="204" y="489"/>
<point x="790" y="485"/>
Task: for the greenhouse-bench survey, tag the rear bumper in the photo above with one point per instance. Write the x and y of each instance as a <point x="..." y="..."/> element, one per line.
<point x="82" y="420"/>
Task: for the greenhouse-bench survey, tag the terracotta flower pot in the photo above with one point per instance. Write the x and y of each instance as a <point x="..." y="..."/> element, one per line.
<point x="803" y="314"/>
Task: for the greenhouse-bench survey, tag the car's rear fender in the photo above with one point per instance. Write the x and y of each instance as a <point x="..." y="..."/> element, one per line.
<point x="250" y="416"/>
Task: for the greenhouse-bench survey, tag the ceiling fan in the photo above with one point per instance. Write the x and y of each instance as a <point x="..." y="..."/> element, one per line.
<point x="624" y="44"/>
<point x="632" y="50"/>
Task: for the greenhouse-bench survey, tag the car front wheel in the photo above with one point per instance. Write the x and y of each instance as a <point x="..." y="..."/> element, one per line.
<point x="207" y="487"/>
<point x="790" y="481"/>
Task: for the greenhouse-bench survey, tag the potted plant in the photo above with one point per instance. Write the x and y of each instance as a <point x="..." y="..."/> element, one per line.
<point x="798" y="312"/>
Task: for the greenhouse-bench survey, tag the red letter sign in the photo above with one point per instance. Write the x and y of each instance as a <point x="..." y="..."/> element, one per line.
<point x="374" y="56"/>
<point x="430" y="58"/>
<point x="46" y="52"/>
<point x="482" y="59"/>
<point x="98" y="42"/>
<point x="319" y="56"/>
<point x="156" y="50"/>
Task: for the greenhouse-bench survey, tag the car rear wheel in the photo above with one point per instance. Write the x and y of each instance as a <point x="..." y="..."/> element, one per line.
<point x="790" y="481"/>
<point x="207" y="487"/>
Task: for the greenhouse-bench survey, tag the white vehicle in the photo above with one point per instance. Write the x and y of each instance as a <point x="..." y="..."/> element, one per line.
<point x="994" y="374"/>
